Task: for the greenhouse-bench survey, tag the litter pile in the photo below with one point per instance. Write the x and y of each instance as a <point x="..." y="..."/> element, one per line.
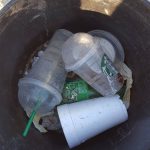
<point x="77" y="82"/>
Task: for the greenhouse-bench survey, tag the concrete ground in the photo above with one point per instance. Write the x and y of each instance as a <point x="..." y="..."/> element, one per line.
<point x="3" y="3"/>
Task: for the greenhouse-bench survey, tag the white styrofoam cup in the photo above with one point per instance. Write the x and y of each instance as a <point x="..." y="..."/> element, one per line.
<point x="83" y="120"/>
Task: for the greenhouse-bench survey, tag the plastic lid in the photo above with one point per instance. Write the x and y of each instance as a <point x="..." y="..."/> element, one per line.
<point x="119" y="51"/>
<point x="108" y="49"/>
<point x="52" y="90"/>
<point x="77" y="49"/>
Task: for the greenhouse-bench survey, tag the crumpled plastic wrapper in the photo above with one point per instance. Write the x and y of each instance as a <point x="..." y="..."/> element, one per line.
<point x="126" y="72"/>
<point x="50" y="121"/>
<point x="36" y="122"/>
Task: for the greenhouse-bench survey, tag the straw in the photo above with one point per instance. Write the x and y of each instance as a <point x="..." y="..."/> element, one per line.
<point x="33" y="113"/>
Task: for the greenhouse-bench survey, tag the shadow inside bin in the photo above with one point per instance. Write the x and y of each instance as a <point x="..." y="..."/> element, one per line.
<point x="22" y="32"/>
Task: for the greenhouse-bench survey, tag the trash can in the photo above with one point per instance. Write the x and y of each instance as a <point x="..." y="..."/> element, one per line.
<point x="26" y="24"/>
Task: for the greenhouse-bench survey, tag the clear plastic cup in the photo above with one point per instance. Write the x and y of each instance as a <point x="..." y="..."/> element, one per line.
<point x="45" y="80"/>
<point x="83" y="54"/>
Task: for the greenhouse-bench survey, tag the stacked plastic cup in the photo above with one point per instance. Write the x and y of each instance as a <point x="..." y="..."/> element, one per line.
<point x="45" y="80"/>
<point x="85" y="56"/>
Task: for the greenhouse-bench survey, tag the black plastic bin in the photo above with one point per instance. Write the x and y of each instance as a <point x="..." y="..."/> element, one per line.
<point x="26" y="24"/>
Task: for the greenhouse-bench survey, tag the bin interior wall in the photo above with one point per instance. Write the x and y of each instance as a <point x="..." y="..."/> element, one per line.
<point x="25" y="25"/>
